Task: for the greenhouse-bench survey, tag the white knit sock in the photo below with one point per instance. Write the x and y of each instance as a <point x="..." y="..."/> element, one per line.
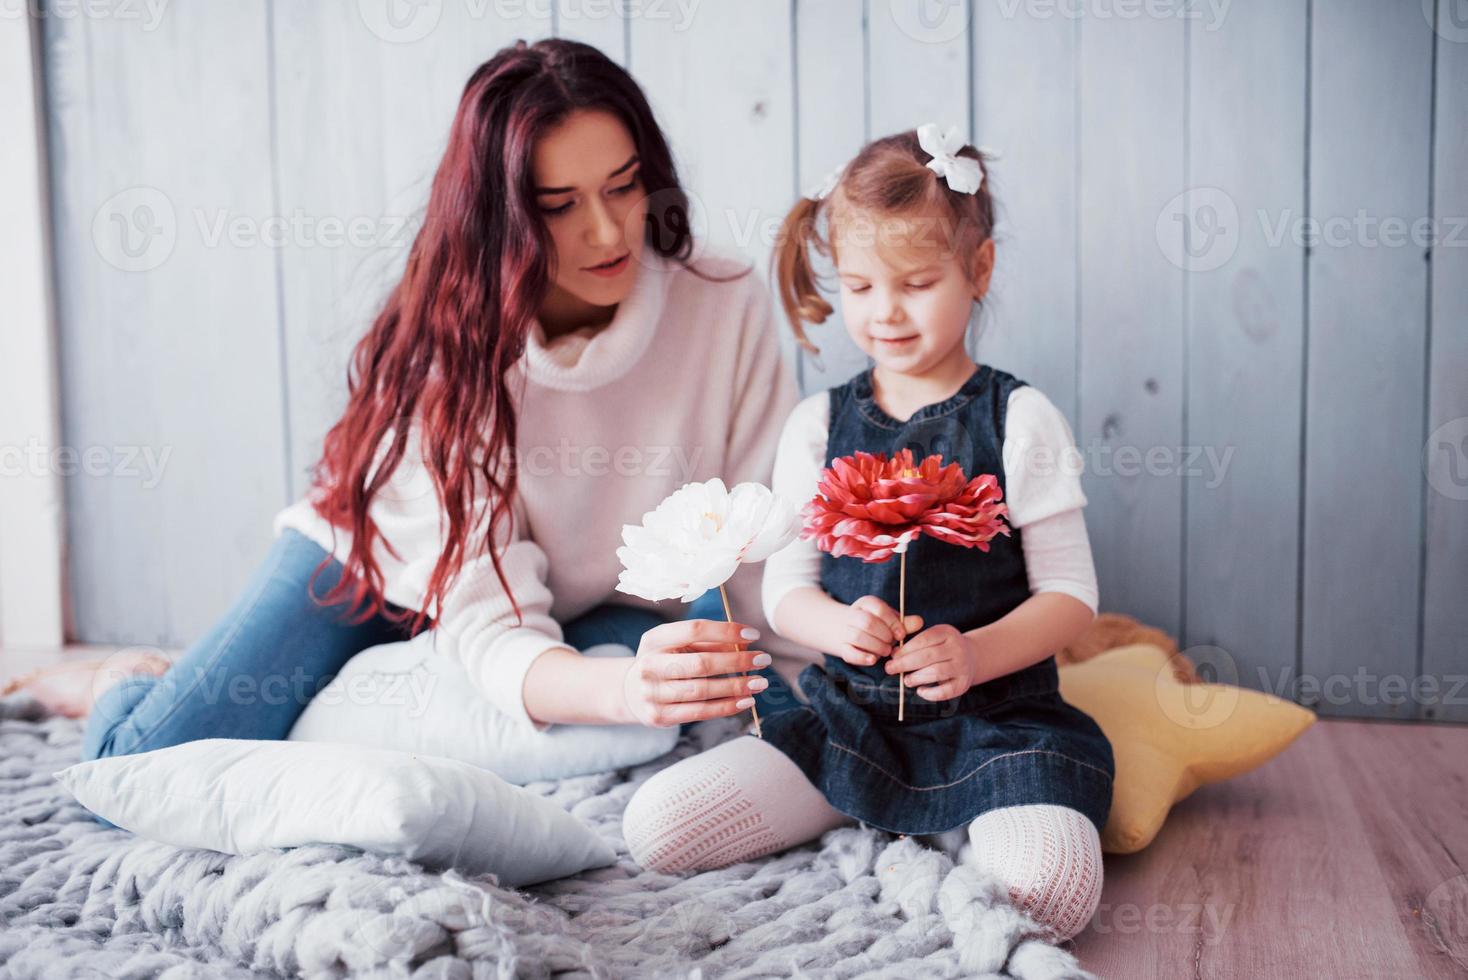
<point x="1049" y="856"/>
<point x="738" y="801"/>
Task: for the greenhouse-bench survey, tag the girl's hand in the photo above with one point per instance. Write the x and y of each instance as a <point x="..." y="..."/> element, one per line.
<point x="867" y="629"/>
<point x="674" y="677"/>
<point x="941" y="663"/>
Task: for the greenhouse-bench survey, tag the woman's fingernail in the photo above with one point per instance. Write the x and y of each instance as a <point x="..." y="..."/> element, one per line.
<point x="749" y="633"/>
<point x="744" y="703"/>
<point x="758" y="683"/>
<point x="763" y="660"/>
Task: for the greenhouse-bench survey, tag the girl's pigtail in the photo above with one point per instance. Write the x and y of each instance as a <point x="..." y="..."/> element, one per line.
<point x="794" y="276"/>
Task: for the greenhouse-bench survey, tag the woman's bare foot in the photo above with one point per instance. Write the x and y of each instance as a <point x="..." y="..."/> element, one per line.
<point x="70" y="689"/>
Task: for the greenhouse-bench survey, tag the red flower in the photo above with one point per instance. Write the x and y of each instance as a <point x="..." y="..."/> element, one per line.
<point x="871" y="507"/>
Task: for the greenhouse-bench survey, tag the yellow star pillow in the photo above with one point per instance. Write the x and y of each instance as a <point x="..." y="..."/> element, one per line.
<point x="1168" y="737"/>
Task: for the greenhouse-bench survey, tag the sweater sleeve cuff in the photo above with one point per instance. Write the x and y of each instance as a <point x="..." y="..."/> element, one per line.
<point x="1075" y="590"/>
<point x="500" y="675"/>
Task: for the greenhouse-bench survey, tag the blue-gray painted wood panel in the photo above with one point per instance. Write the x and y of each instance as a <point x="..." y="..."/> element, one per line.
<point x="831" y="102"/>
<point x="168" y="336"/>
<point x="1025" y="104"/>
<point x="1445" y="586"/>
<point x="363" y="107"/>
<point x="1245" y="341"/>
<point x="1371" y="111"/>
<point x="1132" y="138"/>
<point x="722" y="87"/>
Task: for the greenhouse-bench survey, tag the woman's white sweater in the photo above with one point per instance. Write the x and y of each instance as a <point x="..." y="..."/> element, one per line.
<point x="686" y="383"/>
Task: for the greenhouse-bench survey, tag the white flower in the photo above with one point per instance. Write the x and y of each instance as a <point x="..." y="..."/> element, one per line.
<point x="699" y="535"/>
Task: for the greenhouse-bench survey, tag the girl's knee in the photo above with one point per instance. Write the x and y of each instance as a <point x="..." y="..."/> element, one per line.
<point x="1049" y="858"/>
<point x="1063" y="899"/>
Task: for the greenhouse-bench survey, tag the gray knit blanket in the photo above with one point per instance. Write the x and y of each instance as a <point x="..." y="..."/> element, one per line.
<point x="78" y="900"/>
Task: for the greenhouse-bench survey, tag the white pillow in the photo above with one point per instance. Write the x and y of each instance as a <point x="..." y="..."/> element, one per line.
<point x="245" y="795"/>
<point x="408" y="697"/>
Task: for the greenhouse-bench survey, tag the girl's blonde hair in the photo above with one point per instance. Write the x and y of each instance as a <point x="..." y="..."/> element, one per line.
<point x="889" y="178"/>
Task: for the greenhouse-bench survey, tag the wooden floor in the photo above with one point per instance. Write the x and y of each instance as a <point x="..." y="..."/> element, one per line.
<point x="1344" y="858"/>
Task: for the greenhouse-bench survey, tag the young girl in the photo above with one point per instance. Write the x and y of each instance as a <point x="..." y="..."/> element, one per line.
<point x="986" y="741"/>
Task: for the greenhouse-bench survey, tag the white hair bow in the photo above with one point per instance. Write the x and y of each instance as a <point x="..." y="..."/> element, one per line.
<point x="827" y="185"/>
<point x="963" y="174"/>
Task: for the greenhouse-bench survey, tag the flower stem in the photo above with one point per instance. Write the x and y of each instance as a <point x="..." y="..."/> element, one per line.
<point x="902" y="627"/>
<point x="730" y="617"/>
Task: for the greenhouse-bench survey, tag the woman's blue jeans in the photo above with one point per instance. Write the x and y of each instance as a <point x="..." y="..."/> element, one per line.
<point x="254" y="672"/>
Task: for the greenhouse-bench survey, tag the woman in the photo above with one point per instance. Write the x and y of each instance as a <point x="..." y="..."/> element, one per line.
<point x="550" y="366"/>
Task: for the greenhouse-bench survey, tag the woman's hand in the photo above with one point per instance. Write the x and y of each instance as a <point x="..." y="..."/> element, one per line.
<point x="674" y="678"/>
<point x="865" y="630"/>
<point x="942" y="663"/>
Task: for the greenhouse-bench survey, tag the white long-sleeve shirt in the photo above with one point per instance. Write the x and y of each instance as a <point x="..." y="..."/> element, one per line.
<point x="1042" y="471"/>
<point x="686" y="383"/>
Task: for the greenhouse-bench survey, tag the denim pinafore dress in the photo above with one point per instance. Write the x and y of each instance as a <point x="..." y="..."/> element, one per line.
<point x="1007" y="742"/>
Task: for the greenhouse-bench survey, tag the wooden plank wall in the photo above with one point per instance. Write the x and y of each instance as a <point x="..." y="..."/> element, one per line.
<point x="1274" y="433"/>
<point x="1444" y="648"/>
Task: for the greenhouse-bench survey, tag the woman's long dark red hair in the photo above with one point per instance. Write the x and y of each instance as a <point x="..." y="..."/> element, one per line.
<point x="440" y="352"/>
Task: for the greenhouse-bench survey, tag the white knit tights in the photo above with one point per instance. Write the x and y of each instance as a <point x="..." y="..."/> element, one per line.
<point x="745" y="799"/>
